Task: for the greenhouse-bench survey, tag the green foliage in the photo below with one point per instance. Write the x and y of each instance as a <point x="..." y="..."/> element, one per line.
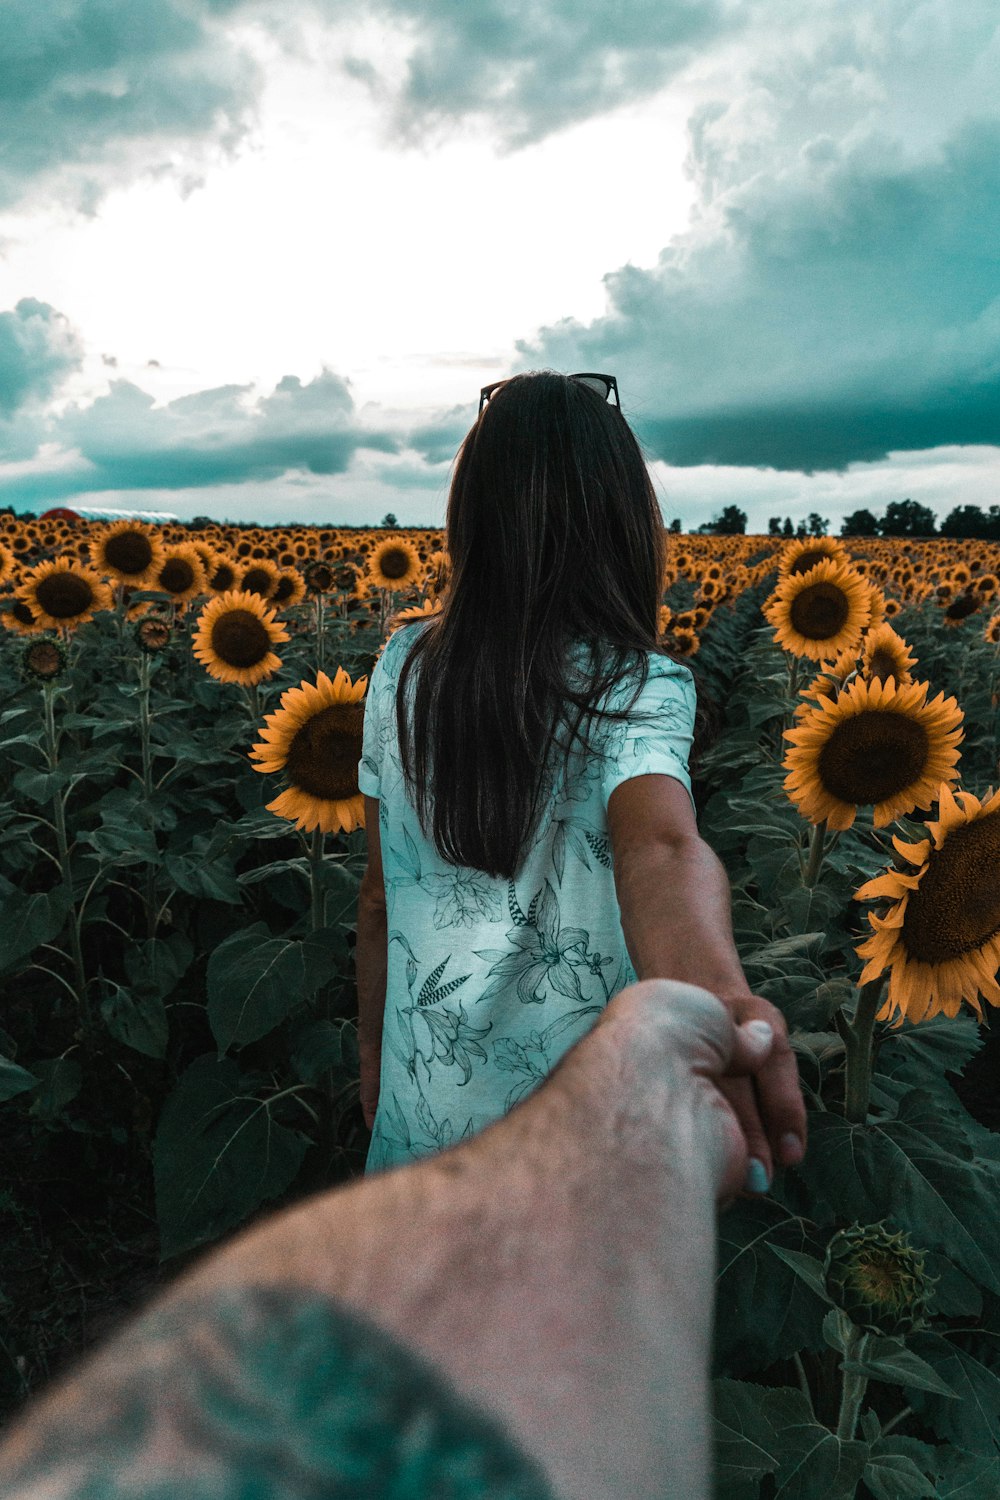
<point x="180" y="1003"/>
<point x="919" y="1162"/>
<point x="150" y="906"/>
<point x="219" y="1154"/>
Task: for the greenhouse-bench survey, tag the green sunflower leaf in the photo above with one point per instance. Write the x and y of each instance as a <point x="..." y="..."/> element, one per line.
<point x="255" y="981"/>
<point x="218" y="1154"/>
<point x="917" y="1170"/>
<point x="14" y="1079"/>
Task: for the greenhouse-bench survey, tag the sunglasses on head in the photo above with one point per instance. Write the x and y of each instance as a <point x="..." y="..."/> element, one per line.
<point x="603" y="384"/>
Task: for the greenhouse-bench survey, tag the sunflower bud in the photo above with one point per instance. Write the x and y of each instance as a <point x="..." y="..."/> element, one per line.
<point x="877" y="1279"/>
<point x="43" y="658"/>
<point x="154" y="634"/>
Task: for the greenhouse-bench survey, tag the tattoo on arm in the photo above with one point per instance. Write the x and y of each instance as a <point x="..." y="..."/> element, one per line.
<point x="264" y="1392"/>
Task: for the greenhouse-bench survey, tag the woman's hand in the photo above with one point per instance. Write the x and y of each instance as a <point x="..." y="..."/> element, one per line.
<point x="768" y="1104"/>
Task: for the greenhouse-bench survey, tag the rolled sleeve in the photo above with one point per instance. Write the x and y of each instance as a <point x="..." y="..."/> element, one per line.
<point x="657" y="736"/>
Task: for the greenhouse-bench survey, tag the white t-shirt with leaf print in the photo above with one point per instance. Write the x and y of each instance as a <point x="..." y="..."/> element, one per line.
<point x="490" y="981"/>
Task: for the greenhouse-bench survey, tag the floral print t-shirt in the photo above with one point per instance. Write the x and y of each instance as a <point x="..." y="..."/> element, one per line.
<point x="489" y="980"/>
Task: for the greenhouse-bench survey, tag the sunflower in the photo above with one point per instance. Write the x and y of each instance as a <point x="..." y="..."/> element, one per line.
<point x="289" y="590"/>
<point x="43" y="659"/>
<point x="315" y="737"/>
<point x="941" y="937"/>
<point x="64" y="593"/>
<point x="154" y="634"/>
<point x="666" y="615"/>
<point x="885" y="654"/>
<point x="819" y="613"/>
<point x="803" y="553"/>
<point x="319" y="577"/>
<point x="961" y="607"/>
<point x="877" y="744"/>
<point x="8" y="564"/>
<point x="128" y="552"/>
<point x="21" y="620"/>
<point x="234" y="639"/>
<point x="684" y="642"/>
<point x="425" y="611"/>
<point x="221" y="574"/>
<point x="892" y="607"/>
<point x="181" y="574"/>
<point x="260" y="577"/>
<point x="992" y="631"/>
<point x="394" y="564"/>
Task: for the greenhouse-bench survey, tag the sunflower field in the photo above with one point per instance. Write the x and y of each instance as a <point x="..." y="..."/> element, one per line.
<point x="181" y="844"/>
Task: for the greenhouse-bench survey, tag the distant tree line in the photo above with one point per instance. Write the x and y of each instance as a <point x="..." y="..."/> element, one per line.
<point x="909" y="518"/>
<point x="900" y="518"/>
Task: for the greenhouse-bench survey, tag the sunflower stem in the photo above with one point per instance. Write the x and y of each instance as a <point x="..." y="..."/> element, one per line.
<point x="253" y="701"/>
<point x="793" y="679"/>
<point x="816" y="851"/>
<point x="315" y="878"/>
<point x="62" y="844"/>
<point x="854" y="1386"/>
<point x="858" y="1044"/>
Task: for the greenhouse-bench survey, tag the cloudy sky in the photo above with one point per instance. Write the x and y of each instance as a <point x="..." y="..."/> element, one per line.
<point x="256" y="259"/>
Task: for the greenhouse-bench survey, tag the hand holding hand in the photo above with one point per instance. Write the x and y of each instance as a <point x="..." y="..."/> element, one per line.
<point x="769" y="1103"/>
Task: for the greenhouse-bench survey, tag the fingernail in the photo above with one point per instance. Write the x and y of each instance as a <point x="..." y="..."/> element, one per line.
<point x="757" y="1179"/>
<point x="791" y="1149"/>
<point x="761" y="1031"/>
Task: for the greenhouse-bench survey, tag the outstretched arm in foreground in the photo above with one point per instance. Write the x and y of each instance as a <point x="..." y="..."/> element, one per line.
<point x="557" y="1271"/>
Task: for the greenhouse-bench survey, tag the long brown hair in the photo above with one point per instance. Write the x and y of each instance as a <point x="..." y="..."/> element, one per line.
<point x="554" y="534"/>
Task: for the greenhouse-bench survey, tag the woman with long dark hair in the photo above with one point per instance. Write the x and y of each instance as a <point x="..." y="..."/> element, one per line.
<point x="533" y="845"/>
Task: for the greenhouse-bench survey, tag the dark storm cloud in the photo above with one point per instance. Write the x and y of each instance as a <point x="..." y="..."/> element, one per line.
<point x="831" y="309"/>
<point x="84" y="80"/>
<point x="125" y="442"/>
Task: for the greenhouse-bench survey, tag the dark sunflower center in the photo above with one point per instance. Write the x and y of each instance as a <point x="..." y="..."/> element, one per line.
<point x="820" y="611"/>
<point x="223" y="578"/>
<point x="956" y="906"/>
<point x="23" y="613"/>
<point x="965" y="604"/>
<point x="257" y="581"/>
<point x="873" y="756"/>
<point x="394" y="563"/>
<point x="323" y="758"/>
<point x="807" y="560"/>
<point x="284" y="590"/>
<point x="240" y="639"/>
<point x="129" y="551"/>
<point x="884" y="664"/>
<point x="176" y="575"/>
<point x="64" y="595"/>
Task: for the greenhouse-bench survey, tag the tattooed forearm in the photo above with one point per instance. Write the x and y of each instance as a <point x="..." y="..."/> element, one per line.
<point x="262" y="1391"/>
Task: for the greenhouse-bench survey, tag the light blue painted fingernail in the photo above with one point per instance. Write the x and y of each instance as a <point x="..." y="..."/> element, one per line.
<point x="757" y="1178"/>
